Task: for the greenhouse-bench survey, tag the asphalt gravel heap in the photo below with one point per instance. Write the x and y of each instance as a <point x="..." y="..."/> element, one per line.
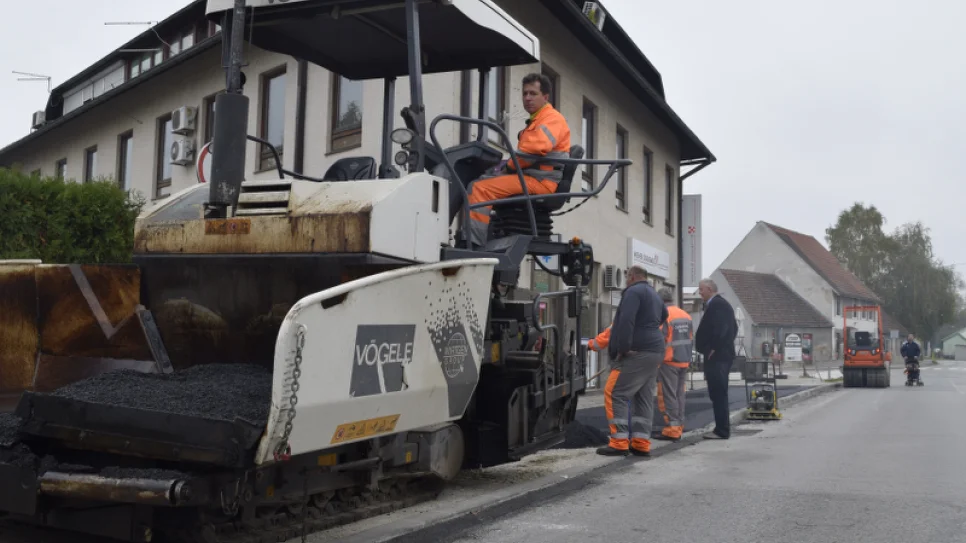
<point x="580" y="436"/>
<point x="212" y="391"/>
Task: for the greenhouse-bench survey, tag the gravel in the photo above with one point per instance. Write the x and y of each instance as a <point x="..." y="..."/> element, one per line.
<point x="9" y="429"/>
<point x="213" y="391"/>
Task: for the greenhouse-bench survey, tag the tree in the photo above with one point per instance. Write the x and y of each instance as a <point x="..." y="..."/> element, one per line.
<point x="900" y="267"/>
<point x="858" y="242"/>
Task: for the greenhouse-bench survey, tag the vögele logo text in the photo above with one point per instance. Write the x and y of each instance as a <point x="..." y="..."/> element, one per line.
<point x="380" y="356"/>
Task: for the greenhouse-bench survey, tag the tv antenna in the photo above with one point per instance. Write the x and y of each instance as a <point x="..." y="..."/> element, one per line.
<point x="33" y="77"/>
<point x="140" y="23"/>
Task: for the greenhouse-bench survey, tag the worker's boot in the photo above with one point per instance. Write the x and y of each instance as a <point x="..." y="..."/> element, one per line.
<point x="671" y="433"/>
<point x="607" y="450"/>
<point x="640" y="447"/>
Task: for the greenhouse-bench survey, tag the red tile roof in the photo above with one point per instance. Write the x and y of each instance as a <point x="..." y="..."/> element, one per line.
<point x="825" y="264"/>
<point x="771" y="302"/>
<point x="890" y="323"/>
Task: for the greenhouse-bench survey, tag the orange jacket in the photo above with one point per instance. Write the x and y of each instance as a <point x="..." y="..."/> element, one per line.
<point x="600" y="342"/>
<point x="675" y="313"/>
<point x="547" y="134"/>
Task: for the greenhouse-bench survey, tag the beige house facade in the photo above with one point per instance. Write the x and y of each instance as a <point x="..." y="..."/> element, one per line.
<point x="141" y="117"/>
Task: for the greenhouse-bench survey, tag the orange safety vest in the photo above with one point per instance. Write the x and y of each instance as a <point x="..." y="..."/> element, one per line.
<point x="546" y="134"/>
<point x="679" y="337"/>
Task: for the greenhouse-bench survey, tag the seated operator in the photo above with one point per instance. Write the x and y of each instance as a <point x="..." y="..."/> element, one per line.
<point x="546" y="134"/>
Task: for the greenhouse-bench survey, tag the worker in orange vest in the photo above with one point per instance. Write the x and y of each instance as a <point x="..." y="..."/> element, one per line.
<point x="672" y="376"/>
<point x="547" y="135"/>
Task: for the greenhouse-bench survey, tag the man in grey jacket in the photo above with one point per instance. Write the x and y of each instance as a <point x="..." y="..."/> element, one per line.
<point x="636" y="350"/>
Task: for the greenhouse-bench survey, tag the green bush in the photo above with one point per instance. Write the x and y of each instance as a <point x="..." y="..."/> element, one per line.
<point x="64" y="222"/>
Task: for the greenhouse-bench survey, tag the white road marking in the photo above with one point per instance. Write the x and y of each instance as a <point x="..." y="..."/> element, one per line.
<point x="959" y="390"/>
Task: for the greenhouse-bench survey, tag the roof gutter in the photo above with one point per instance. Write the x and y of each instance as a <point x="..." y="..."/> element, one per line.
<point x="587" y="33"/>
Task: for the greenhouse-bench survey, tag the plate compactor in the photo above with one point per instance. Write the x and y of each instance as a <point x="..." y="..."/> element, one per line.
<point x="761" y="390"/>
<point x="290" y="354"/>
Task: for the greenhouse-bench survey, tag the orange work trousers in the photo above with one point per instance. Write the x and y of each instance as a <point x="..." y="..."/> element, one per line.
<point x="495" y="188"/>
<point x="629" y="400"/>
<point x="671" y="394"/>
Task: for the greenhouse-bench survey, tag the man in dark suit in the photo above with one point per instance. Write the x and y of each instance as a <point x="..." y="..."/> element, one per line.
<point x="715" y="339"/>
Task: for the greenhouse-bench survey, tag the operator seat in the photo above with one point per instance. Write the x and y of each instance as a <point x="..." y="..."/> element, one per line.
<point x="863" y="339"/>
<point x="514" y="219"/>
<point x="352" y="169"/>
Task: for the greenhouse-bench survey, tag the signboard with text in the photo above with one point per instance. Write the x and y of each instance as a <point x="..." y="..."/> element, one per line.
<point x="691" y="238"/>
<point x="655" y="261"/>
<point x="793" y="348"/>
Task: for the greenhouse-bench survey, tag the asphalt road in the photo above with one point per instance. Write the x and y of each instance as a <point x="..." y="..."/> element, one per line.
<point x="697" y="414"/>
<point x="855" y="465"/>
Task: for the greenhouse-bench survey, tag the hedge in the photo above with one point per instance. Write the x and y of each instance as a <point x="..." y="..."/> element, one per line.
<point x="63" y="222"/>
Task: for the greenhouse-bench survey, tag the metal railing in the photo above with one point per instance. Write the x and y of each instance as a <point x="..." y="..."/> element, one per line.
<point x="515" y="159"/>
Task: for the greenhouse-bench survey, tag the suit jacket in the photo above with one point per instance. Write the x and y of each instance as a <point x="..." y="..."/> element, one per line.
<point x="717" y="330"/>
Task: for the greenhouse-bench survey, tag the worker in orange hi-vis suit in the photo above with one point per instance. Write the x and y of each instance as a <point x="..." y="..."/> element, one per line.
<point x="672" y="376"/>
<point x="546" y="135"/>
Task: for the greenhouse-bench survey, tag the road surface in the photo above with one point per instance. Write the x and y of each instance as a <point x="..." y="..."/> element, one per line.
<point x="697" y="411"/>
<point x="855" y="465"/>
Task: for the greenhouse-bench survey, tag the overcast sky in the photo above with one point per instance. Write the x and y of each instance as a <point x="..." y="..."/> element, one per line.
<point x="808" y="106"/>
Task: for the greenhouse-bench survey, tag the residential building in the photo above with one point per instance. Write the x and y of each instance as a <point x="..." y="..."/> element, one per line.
<point x="895" y="333"/>
<point x="811" y="271"/>
<point x="115" y="119"/>
<point x="954" y="342"/>
<point x="767" y="310"/>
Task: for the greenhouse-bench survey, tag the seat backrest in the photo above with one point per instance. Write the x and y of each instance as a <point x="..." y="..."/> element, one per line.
<point x="863" y="339"/>
<point x="352" y="169"/>
<point x="566" y="180"/>
<point x="576" y="153"/>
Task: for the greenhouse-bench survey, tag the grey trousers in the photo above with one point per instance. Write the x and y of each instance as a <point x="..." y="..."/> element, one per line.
<point x="671" y="394"/>
<point x="629" y="399"/>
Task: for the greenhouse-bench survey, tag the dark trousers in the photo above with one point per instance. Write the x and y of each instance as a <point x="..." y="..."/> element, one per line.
<point x="716" y="373"/>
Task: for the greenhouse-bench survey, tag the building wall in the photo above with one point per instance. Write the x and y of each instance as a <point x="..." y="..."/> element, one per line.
<point x="751" y="336"/>
<point x="581" y="76"/>
<point x="951" y="343"/>
<point x="823" y="341"/>
<point x="763" y="251"/>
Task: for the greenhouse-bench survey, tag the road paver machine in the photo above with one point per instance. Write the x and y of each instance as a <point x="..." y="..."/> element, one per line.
<point x="292" y="353"/>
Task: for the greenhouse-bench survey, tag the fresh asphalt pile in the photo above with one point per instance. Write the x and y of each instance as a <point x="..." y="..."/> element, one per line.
<point x="226" y="392"/>
<point x="213" y="391"/>
<point x="582" y="436"/>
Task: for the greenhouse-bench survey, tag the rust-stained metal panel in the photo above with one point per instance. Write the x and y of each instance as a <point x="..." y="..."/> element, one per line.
<point x="19" y="339"/>
<point x="329" y="233"/>
<point x="90" y="311"/>
<point x="63" y="323"/>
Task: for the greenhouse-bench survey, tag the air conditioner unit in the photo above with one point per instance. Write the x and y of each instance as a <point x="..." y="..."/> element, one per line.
<point x="184" y="119"/>
<point x="38" y="119"/>
<point x="182" y="151"/>
<point x="613" y="277"/>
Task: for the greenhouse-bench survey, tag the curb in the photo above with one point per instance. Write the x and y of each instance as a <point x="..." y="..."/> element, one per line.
<point x="517" y="497"/>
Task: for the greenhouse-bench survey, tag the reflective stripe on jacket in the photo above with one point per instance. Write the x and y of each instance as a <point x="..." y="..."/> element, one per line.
<point x="546" y="134"/>
<point x="600" y="342"/>
<point x="679" y="336"/>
